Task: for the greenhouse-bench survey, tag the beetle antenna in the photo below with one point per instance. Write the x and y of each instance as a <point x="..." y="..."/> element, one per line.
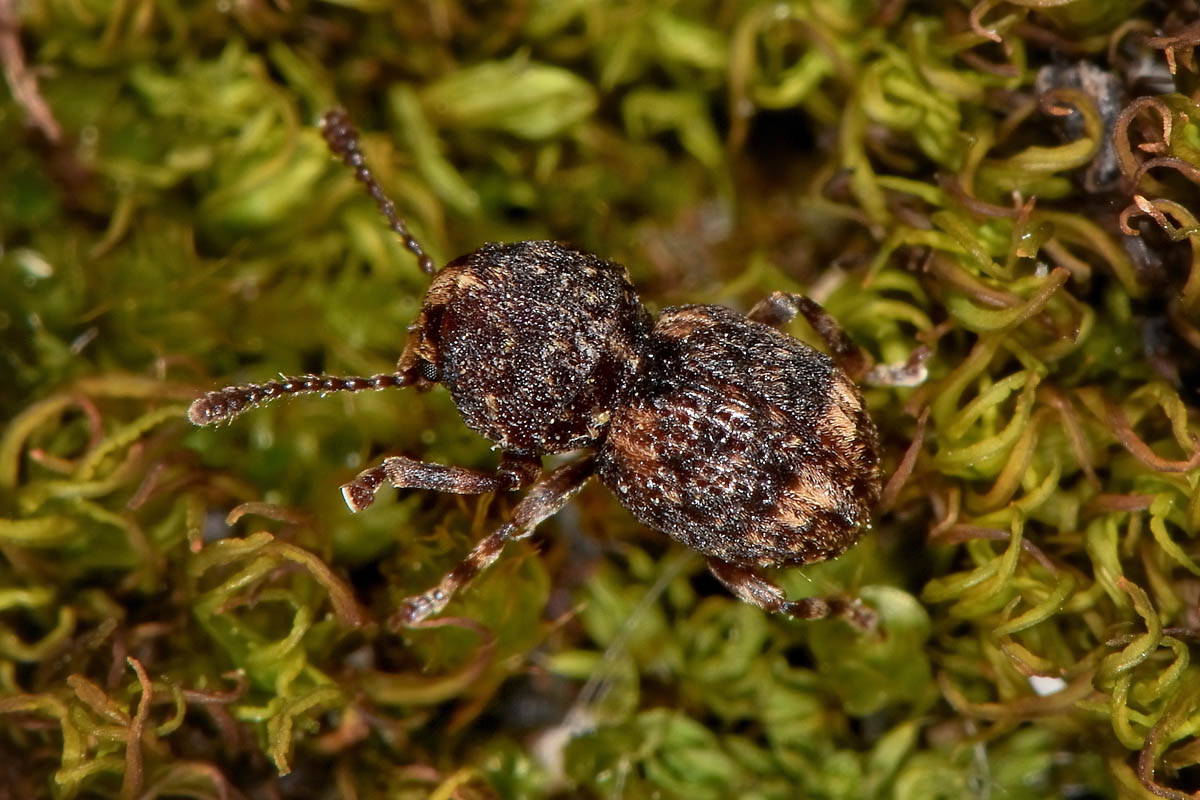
<point x="342" y="138"/>
<point x="225" y="404"/>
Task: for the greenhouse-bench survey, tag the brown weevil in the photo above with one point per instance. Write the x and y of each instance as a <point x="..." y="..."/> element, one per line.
<point x="714" y="428"/>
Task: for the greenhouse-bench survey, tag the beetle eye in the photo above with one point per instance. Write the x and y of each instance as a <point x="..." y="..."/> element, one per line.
<point x="429" y="371"/>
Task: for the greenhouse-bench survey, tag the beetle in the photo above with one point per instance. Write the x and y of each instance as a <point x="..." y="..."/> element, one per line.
<point x="713" y="427"/>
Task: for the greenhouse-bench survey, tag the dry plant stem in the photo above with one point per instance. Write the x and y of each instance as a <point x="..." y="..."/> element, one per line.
<point x="1074" y="431"/>
<point x="1179" y="47"/>
<point x="975" y="19"/>
<point x="957" y="534"/>
<point x="132" y="781"/>
<point x="1105" y="503"/>
<point x="891" y="489"/>
<point x="1145" y="766"/>
<point x="20" y="79"/>
<point x="1140" y="450"/>
<point x="1189" y="171"/>
<point x="953" y="185"/>
<point x="290" y="516"/>
<point x="1121" y="144"/>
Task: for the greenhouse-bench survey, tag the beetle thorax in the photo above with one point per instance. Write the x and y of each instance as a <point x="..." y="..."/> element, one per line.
<point x="537" y="343"/>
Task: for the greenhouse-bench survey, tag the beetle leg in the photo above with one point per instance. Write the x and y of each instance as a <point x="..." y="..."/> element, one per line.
<point x="516" y="471"/>
<point x="544" y="500"/>
<point x="776" y="309"/>
<point x="908" y="373"/>
<point x="781" y="307"/>
<point x="750" y="587"/>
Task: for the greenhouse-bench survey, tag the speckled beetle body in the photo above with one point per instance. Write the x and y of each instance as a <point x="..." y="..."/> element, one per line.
<point x="742" y="443"/>
<point x="713" y="427"/>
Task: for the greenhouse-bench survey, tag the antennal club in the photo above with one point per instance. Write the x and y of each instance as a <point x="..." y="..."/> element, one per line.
<point x="225" y="404"/>
<point x="342" y="139"/>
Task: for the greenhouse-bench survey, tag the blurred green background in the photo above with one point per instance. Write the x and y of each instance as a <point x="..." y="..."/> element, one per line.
<point x="1010" y="182"/>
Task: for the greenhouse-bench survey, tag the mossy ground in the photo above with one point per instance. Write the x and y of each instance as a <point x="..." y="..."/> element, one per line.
<point x="936" y="173"/>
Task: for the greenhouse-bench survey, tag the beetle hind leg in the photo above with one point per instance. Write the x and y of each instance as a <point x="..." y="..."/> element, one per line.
<point x="544" y="500"/>
<point x="780" y="308"/>
<point x="906" y="373"/>
<point x="750" y="587"/>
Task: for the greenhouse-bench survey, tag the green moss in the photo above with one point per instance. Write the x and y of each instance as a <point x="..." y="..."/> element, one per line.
<point x="189" y="230"/>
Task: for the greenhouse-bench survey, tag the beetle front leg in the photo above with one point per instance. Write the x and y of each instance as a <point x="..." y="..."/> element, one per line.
<point x="516" y="471"/>
<point x="750" y="587"/>
<point x="544" y="500"/>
